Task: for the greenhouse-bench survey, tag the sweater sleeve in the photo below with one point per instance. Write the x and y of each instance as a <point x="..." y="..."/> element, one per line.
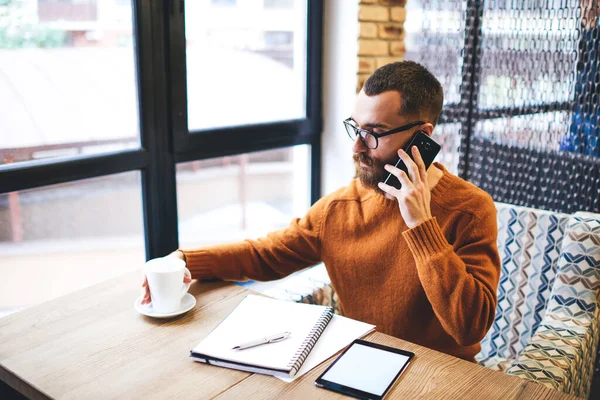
<point x="460" y="281"/>
<point x="278" y="254"/>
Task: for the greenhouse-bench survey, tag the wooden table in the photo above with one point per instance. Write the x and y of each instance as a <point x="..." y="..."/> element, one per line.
<point x="93" y="344"/>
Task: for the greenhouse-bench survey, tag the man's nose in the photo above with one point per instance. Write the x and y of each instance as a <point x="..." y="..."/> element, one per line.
<point x="359" y="146"/>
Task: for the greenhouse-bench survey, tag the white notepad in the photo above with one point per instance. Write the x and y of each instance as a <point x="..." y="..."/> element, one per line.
<point x="340" y="332"/>
<point x="256" y="317"/>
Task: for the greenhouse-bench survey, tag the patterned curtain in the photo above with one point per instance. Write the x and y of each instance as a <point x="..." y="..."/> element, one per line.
<point x="522" y="83"/>
<point x="521" y="80"/>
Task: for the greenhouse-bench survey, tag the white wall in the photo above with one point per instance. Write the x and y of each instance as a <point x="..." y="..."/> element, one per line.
<point x="340" y="48"/>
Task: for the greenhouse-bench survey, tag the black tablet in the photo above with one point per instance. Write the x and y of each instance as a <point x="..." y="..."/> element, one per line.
<point x="365" y="370"/>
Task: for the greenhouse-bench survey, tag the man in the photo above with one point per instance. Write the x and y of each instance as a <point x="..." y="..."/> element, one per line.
<point x="421" y="262"/>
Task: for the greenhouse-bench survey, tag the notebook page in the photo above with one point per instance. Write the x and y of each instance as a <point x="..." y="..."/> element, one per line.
<point x="256" y="317"/>
<point x="340" y="332"/>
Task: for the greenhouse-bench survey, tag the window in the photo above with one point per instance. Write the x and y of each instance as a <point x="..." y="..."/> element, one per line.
<point x="250" y="195"/>
<point x="57" y="239"/>
<point x="279" y="4"/>
<point x="257" y="72"/>
<point x="223" y="3"/>
<point x="96" y="158"/>
<point x="67" y="81"/>
<point x="278" y="38"/>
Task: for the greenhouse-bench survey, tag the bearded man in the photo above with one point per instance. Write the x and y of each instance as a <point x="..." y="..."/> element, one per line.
<point x="419" y="262"/>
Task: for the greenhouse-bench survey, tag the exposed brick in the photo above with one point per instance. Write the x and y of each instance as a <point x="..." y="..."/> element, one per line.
<point x="367" y="30"/>
<point x="381" y="61"/>
<point x="381" y="36"/>
<point x="398" y="14"/>
<point x="361" y="78"/>
<point x="366" y="65"/>
<point x="397" y="48"/>
<point x="368" y="47"/>
<point x="373" y="13"/>
<point x="391" y="31"/>
<point x="393" y="3"/>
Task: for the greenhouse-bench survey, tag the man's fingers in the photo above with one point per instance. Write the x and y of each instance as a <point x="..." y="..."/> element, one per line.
<point x="413" y="170"/>
<point x="398" y="173"/>
<point x="146" y="299"/>
<point x="420" y="163"/>
<point x="388" y="189"/>
<point x="186" y="279"/>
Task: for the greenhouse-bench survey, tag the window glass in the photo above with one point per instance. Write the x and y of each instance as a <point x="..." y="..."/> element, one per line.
<point x="223" y="3"/>
<point x="279" y="3"/>
<point x="67" y="79"/>
<point x="246" y="63"/>
<point x="227" y="199"/>
<point x="58" y="239"/>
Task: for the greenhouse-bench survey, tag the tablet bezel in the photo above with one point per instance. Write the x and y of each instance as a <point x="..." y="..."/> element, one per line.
<point x="336" y="387"/>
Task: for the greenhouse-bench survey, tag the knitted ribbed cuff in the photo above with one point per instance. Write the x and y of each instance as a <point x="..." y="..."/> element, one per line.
<point x="426" y="239"/>
<point x="199" y="264"/>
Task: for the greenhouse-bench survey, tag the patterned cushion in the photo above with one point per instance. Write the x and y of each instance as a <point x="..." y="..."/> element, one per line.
<point x="562" y="352"/>
<point x="529" y="242"/>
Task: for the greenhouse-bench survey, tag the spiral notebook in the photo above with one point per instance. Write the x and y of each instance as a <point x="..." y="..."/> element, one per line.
<point x="256" y="317"/>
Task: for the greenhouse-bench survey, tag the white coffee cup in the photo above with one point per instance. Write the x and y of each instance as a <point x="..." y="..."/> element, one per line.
<point x="165" y="280"/>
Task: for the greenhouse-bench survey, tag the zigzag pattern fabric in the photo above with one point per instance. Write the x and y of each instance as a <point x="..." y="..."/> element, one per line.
<point x="529" y="243"/>
<point x="562" y="352"/>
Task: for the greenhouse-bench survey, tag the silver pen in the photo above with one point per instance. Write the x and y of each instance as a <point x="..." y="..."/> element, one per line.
<point x="264" y="340"/>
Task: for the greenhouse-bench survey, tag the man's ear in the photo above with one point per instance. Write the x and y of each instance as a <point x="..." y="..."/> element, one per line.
<point x="427" y="128"/>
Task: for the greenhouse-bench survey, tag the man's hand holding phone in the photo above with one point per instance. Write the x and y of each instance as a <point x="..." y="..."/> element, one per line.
<point x="414" y="196"/>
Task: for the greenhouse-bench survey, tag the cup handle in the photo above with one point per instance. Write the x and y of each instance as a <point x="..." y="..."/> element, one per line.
<point x="186" y="286"/>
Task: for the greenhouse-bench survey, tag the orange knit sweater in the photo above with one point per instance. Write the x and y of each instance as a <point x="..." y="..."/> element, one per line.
<point x="434" y="285"/>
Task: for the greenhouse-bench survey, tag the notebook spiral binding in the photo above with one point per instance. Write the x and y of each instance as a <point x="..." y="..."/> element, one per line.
<point x="310" y="341"/>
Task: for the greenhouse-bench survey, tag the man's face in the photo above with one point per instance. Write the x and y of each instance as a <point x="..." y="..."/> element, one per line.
<point x="379" y="114"/>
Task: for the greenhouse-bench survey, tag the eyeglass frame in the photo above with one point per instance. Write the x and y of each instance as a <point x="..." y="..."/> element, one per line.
<point x="377" y="135"/>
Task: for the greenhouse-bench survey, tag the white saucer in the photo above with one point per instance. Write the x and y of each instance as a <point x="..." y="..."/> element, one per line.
<point x="187" y="303"/>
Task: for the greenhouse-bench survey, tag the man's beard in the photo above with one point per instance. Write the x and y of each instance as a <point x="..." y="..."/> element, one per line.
<point x="370" y="177"/>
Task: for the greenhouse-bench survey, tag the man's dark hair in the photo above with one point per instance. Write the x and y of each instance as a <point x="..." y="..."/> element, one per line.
<point x="422" y="94"/>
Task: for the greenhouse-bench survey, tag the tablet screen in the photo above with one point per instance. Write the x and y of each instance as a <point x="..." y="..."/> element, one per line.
<point x="365" y="368"/>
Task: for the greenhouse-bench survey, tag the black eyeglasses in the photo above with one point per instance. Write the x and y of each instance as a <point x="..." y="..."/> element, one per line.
<point x="371" y="139"/>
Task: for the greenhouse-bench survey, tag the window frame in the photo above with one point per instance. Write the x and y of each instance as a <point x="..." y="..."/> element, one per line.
<point x="164" y="138"/>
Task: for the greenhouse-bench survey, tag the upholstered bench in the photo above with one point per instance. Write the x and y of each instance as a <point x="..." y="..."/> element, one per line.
<point x="546" y="326"/>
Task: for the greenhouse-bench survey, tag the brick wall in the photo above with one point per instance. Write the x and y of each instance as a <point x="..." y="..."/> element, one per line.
<point x="380" y="37"/>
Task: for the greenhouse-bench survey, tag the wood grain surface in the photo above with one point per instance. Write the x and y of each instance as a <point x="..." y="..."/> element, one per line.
<point x="431" y="375"/>
<point x="93" y="345"/>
